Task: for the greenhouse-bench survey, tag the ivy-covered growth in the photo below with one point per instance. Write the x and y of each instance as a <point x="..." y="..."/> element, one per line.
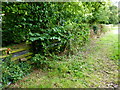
<point x="11" y="72"/>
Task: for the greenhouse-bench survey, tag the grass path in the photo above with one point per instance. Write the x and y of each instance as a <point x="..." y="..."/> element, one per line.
<point x="96" y="66"/>
<point x="101" y="51"/>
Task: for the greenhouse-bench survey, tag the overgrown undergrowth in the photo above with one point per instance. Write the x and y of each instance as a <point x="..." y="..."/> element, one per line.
<point x="96" y="66"/>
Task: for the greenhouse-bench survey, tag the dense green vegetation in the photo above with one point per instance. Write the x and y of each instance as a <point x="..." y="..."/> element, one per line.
<point x="12" y="71"/>
<point x="52" y="29"/>
<point x="51" y="16"/>
<point x="113" y="19"/>
<point x="95" y="67"/>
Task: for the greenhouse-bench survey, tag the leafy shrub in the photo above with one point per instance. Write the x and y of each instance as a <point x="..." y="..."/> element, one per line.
<point x="40" y="17"/>
<point x="39" y="61"/>
<point x="43" y="61"/>
<point x="49" y="40"/>
<point x="11" y="72"/>
<point x="113" y="17"/>
<point x="59" y="38"/>
<point x="28" y="17"/>
<point x="79" y="35"/>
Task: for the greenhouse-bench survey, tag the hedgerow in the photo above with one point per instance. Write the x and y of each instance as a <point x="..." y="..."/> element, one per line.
<point x="50" y="28"/>
<point x="51" y="20"/>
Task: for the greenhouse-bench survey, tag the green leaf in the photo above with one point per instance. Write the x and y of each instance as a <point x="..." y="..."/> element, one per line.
<point x="33" y="38"/>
